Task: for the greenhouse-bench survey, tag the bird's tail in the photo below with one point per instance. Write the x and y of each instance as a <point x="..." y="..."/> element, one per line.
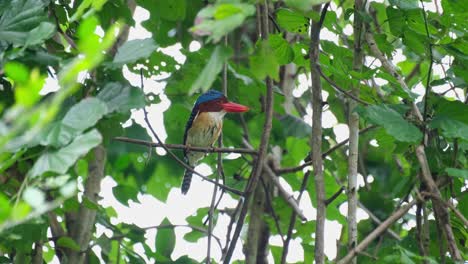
<point x="186" y="181"/>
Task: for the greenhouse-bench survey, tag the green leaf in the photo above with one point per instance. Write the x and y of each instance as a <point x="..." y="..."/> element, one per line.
<point x="304" y="5"/>
<point x="405" y="4"/>
<point x="85" y="114"/>
<point x="283" y="51"/>
<point x="295" y="127"/>
<point x="121" y="98"/>
<point x="463" y="174"/>
<point x="133" y="50"/>
<point x="173" y="10"/>
<point x="217" y="21"/>
<point x="44" y="31"/>
<point x="80" y="117"/>
<point x="165" y="239"/>
<point x="68" y="242"/>
<point x="5" y="208"/>
<point x="123" y="193"/>
<point x="59" y="161"/>
<point x="22" y="17"/>
<point x="393" y="123"/>
<point x="209" y="73"/>
<point x="450" y="128"/>
<point x="292" y="21"/>
<point x="396" y="21"/>
<point x="264" y="63"/>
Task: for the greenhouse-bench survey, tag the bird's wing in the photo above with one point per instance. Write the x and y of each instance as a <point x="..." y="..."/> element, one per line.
<point x="192" y="117"/>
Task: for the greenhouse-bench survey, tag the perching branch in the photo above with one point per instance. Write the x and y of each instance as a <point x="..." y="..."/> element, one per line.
<point x="185" y="147"/>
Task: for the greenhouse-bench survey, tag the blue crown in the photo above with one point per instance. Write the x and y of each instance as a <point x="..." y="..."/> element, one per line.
<point x="208" y="96"/>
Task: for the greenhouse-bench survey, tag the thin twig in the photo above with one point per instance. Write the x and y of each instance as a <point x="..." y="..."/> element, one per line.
<point x="429" y="71"/>
<point x="288" y="198"/>
<point x="334" y="196"/>
<point x="449" y="205"/>
<point x="186" y="147"/>
<point x="377" y="232"/>
<point x="220" y="171"/>
<point x="337" y="87"/>
<point x="324" y="154"/>
<point x="272" y="210"/>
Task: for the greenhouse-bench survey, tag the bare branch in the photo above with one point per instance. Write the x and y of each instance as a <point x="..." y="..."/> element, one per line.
<point x="316" y="136"/>
<point x="337" y="87"/>
<point x="377" y="232"/>
<point x="288" y="198"/>
<point x="438" y="203"/>
<point x="185" y="147"/>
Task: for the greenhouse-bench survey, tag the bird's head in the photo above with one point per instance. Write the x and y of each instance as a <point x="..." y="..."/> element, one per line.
<point x="214" y="101"/>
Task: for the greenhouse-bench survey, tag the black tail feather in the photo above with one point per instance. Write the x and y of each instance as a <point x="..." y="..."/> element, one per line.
<point x="186" y="181"/>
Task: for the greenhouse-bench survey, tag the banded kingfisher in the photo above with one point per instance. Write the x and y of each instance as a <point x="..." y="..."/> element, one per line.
<point x="204" y="127"/>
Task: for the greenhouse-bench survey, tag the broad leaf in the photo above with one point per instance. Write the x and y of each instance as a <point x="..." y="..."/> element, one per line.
<point x="61" y="160"/>
<point x="292" y="21"/>
<point x="68" y="242"/>
<point x="451" y="128"/>
<point x="133" y="50"/>
<point x="393" y="123"/>
<point x="121" y="98"/>
<point x="85" y="114"/>
<point x="459" y="173"/>
<point x="23" y="18"/>
<point x="264" y="62"/>
<point x="283" y="51"/>
<point x="165" y="239"/>
<point x="211" y="70"/>
<point x="217" y="21"/>
<point x="304" y="5"/>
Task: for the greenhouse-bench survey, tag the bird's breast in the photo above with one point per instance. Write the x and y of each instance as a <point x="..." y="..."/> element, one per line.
<point x="205" y="129"/>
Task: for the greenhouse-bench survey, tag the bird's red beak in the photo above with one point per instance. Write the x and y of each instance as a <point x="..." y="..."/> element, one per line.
<point x="234" y="108"/>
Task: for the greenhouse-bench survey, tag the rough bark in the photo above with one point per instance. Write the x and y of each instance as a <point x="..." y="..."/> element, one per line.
<point x="82" y="230"/>
<point x="316" y="142"/>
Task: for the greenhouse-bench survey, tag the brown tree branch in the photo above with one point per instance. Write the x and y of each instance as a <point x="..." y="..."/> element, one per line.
<point x="316" y="137"/>
<point x="82" y="230"/>
<point x="185" y="147"/>
<point x="439" y="208"/>
<point x="377" y="232"/>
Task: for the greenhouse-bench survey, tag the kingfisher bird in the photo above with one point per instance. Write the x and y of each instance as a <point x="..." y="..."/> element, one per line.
<point x="204" y="127"/>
